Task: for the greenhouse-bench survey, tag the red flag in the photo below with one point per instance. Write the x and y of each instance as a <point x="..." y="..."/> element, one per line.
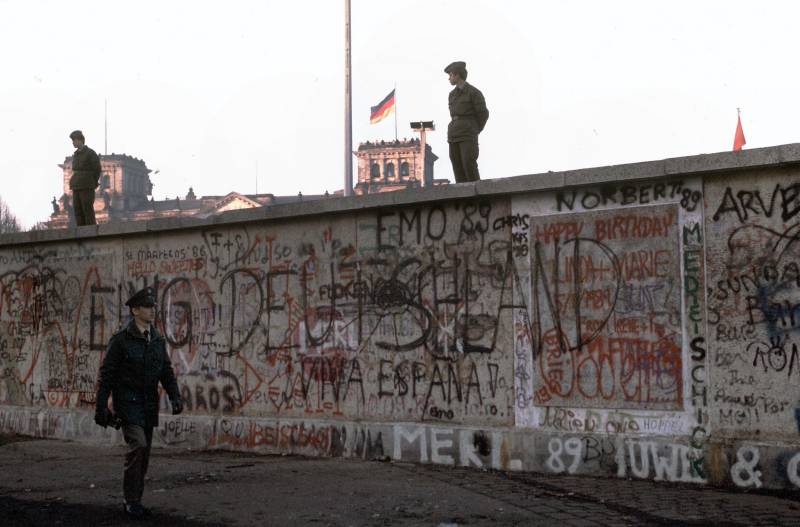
<point x="738" y="139"/>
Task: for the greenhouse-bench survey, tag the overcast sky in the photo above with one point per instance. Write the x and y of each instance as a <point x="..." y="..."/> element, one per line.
<point x="218" y="95"/>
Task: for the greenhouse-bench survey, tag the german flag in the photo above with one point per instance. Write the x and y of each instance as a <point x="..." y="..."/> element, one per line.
<point x="384" y="108"/>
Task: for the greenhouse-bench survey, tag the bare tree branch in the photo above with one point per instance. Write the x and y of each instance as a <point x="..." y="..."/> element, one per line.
<point x="8" y="221"/>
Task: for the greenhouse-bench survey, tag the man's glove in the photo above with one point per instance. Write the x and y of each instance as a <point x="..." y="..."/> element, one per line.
<point x="177" y="407"/>
<point x="103" y="417"/>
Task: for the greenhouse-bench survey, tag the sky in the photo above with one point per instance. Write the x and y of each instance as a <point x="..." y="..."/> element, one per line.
<point x="249" y="95"/>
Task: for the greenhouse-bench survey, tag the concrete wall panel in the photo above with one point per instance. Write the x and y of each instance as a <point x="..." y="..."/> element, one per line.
<point x="753" y="261"/>
<point x="634" y="326"/>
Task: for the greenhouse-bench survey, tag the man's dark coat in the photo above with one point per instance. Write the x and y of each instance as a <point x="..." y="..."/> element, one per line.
<point x="131" y="371"/>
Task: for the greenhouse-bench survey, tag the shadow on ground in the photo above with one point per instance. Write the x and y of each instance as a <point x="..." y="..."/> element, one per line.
<point x="19" y="513"/>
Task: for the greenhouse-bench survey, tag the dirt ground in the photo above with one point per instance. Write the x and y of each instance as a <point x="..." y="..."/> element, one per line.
<point x="49" y="482"/>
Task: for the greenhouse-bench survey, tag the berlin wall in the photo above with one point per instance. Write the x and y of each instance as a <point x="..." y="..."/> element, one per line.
<point x="634" y="321"/>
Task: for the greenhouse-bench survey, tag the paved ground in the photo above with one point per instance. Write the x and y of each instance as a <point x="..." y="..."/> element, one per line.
<point x="63" y="483"/>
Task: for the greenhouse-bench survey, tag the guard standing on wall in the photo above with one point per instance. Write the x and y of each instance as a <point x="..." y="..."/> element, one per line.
<point x="134" y="364"/>
<point x="85" y="178"/>
<point x="468" y="116"/>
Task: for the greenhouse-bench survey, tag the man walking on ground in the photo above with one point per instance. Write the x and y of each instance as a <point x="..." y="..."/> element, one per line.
<point x="136" y="361"/>
<point x="468" y="115"/>
<point x="85" y="178"/>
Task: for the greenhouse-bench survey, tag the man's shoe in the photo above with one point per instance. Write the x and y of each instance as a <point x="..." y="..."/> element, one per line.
<point x="136" y="510"/>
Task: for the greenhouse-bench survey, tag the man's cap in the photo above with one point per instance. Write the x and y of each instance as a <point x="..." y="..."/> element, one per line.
<point x="144" y="298"/>
<point x="76" y="134"/>
<point x="455" y="65"/>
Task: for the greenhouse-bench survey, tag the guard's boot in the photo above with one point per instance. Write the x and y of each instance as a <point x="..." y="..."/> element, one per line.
<point x="136" y="510"/>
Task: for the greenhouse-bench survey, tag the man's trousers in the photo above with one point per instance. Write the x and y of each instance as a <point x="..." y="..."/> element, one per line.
<point x="83" y="205"/>
<point x="464" y="157"/>
<point x="139" y="440"/>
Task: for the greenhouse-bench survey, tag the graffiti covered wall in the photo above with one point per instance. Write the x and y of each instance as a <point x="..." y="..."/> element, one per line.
<point x="640" y="329"/>
<point x="396" y="315"/>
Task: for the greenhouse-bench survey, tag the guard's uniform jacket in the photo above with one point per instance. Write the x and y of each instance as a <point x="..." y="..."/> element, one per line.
<point x="85" y="169"/>
<point x="131" y="371"/>
<point x="468" y="114"/>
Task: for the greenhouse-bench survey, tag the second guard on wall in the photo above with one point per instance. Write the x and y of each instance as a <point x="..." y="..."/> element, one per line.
<point x="85" y="179"/>
<point x="468" y="116"/>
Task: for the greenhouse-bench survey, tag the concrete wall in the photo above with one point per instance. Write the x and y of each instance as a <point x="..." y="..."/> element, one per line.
<point x="637" y="321"/>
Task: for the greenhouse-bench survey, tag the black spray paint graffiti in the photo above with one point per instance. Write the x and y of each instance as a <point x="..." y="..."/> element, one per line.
<point x="543" y="294"/>
<point x="750" y="203"/>
<point x="207" y="392"/>
<point x="435" y="299"/>
<point x="763" y="270"/>
<point x="642" y="194"/>
<point x="774" y="357"/>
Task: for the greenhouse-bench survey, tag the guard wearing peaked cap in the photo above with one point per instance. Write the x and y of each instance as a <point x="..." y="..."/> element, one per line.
<point x="144" y="298"/>
<point x="135" y="363"/>
<point x="468" y="116"/>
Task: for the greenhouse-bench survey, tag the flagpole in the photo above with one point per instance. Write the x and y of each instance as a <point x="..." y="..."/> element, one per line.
<point x="348" y="112"/>
<point x="395" y="110"/>
<point x="105" y="127"/>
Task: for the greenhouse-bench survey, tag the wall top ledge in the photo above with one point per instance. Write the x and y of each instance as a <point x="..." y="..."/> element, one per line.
<point x="769" y="157"/>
